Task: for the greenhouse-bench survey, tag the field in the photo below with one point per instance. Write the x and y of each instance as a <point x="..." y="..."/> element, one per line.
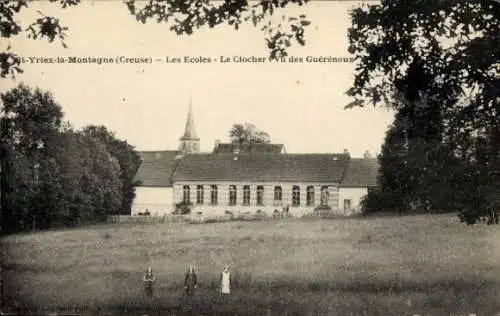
<point x="426" y="265"/>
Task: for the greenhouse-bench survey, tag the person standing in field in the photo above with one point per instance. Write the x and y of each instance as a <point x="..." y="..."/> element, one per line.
<point x="190" y="282"/>
<point x="225" y="281"/>
<point x="149" y="279"/>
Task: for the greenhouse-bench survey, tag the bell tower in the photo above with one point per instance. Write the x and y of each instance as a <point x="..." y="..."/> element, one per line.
<point x="189" y="142"/>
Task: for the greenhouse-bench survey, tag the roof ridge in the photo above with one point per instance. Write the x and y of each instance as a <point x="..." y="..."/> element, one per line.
<point x="269" y="153"/>
<point x="345" y="171"/>
<point x="174" y="169"/>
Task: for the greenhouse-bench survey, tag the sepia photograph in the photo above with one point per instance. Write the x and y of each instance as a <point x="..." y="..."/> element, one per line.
<point x="250" y="157"/>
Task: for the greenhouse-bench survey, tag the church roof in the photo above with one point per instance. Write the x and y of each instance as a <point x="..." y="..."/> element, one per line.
<point x="156" y="168"/>
<point x="361" y="172"/>
<point x="253" y="148"/>
<point x="262" y="167"/>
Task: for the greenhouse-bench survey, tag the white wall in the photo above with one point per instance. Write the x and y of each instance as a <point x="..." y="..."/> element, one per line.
<point x="158" y="201"/>
<point x="223" y="196"/>
<point x="353" y="194"/>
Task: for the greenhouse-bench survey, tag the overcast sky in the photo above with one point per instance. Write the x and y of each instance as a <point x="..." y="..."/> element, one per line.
<point x="299" y="105"/>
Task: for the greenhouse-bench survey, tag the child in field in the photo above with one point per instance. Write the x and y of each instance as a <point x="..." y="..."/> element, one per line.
<point x="190" y="282"/>
<point x="149" y="279"/>
<point x="225" y="281"/>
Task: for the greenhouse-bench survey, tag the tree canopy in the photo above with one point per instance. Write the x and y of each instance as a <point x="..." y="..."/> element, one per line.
<point x="436" y="64"/>
<point x="127" y="158"/>
<point x="53" y="175"/>
<point x="182" y="17"/>
<point x="431" y="52"/>
<point x="247" y="134"/>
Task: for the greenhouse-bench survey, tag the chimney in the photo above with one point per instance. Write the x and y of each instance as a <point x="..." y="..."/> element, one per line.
<point x="217" y="143"/>
<point x="367" y="154"/>
<point x="346" y="151"/>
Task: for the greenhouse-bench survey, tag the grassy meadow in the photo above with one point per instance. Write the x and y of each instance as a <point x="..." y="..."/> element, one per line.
<point x="426" y="265"/>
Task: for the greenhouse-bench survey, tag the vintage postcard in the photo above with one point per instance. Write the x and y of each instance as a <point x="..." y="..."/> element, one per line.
<point x="215" y="158"/>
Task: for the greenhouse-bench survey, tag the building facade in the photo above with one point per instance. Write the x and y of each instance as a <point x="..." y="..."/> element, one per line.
<point x="261" y="177"/>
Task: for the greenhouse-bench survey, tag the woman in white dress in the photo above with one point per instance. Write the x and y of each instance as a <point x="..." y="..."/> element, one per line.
<point x="225" y="281"/>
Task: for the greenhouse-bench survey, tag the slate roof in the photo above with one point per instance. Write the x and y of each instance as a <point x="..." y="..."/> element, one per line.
<point x="161" y="168"/>
<point x="254" y="148"/>
<point x="361" y="172"/>
<point x="156" y="168"/>
<point x="262" y="167"/>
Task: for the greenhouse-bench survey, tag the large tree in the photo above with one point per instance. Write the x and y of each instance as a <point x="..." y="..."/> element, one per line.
<point x="56" y="176"/>
<point x="30" y="121"/>
<point x="416" y="173"/>
<point x="437" y="64"/>
<point x="127" y="158"/>
<point x="247" y="134"/>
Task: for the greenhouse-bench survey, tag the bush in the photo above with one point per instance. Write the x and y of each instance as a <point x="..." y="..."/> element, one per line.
<point x="468" y="216"/>
<point x="374" y="201"/>
<point x="323" y="208"/>
<point x="471" y="216"/>
<point x="183" y="208"/>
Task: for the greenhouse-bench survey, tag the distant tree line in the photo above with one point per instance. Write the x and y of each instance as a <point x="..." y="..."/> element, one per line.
<point x="54" y="175"/>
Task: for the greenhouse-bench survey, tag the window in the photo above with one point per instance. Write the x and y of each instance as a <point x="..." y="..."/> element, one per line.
<point x="232" y="195"/>
<point x="310" y="196"/>
<point x="278" y="195"/>
<point x="325" y="195"/>
<point x="295" y="196"/>
<point x="199" y="194"/>
<point x="186" y="194"/>
<point x="246" y="195"/>
<point x="347" y="205"/>
<point x="213" y="195"/>
<point x="260" y="195"/>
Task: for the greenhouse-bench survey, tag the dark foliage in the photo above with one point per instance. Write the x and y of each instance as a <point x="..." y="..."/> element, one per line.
<point x="127" y="158"/>
<point x="45" y="27"/>
<point x="436" y="65"/>
<point x="183" y="208"/>
<point x="52" y="175"/>
<point x="183" y="18"/>
<point x="247" y="134"/>
<point x="323" y="208"/>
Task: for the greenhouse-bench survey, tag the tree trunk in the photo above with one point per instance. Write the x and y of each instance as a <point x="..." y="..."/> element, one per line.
<point x="5" y="207"/>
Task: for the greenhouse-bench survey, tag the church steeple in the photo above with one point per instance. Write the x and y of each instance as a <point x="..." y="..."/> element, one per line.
<point x="189" y="131"/>
<point x="190" y="142"/>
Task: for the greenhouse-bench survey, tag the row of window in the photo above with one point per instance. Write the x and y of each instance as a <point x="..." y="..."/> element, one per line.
<point x="233" y="195"/>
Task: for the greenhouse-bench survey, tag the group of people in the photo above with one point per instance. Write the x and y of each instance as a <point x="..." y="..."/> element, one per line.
<point x="190" y="282"/>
